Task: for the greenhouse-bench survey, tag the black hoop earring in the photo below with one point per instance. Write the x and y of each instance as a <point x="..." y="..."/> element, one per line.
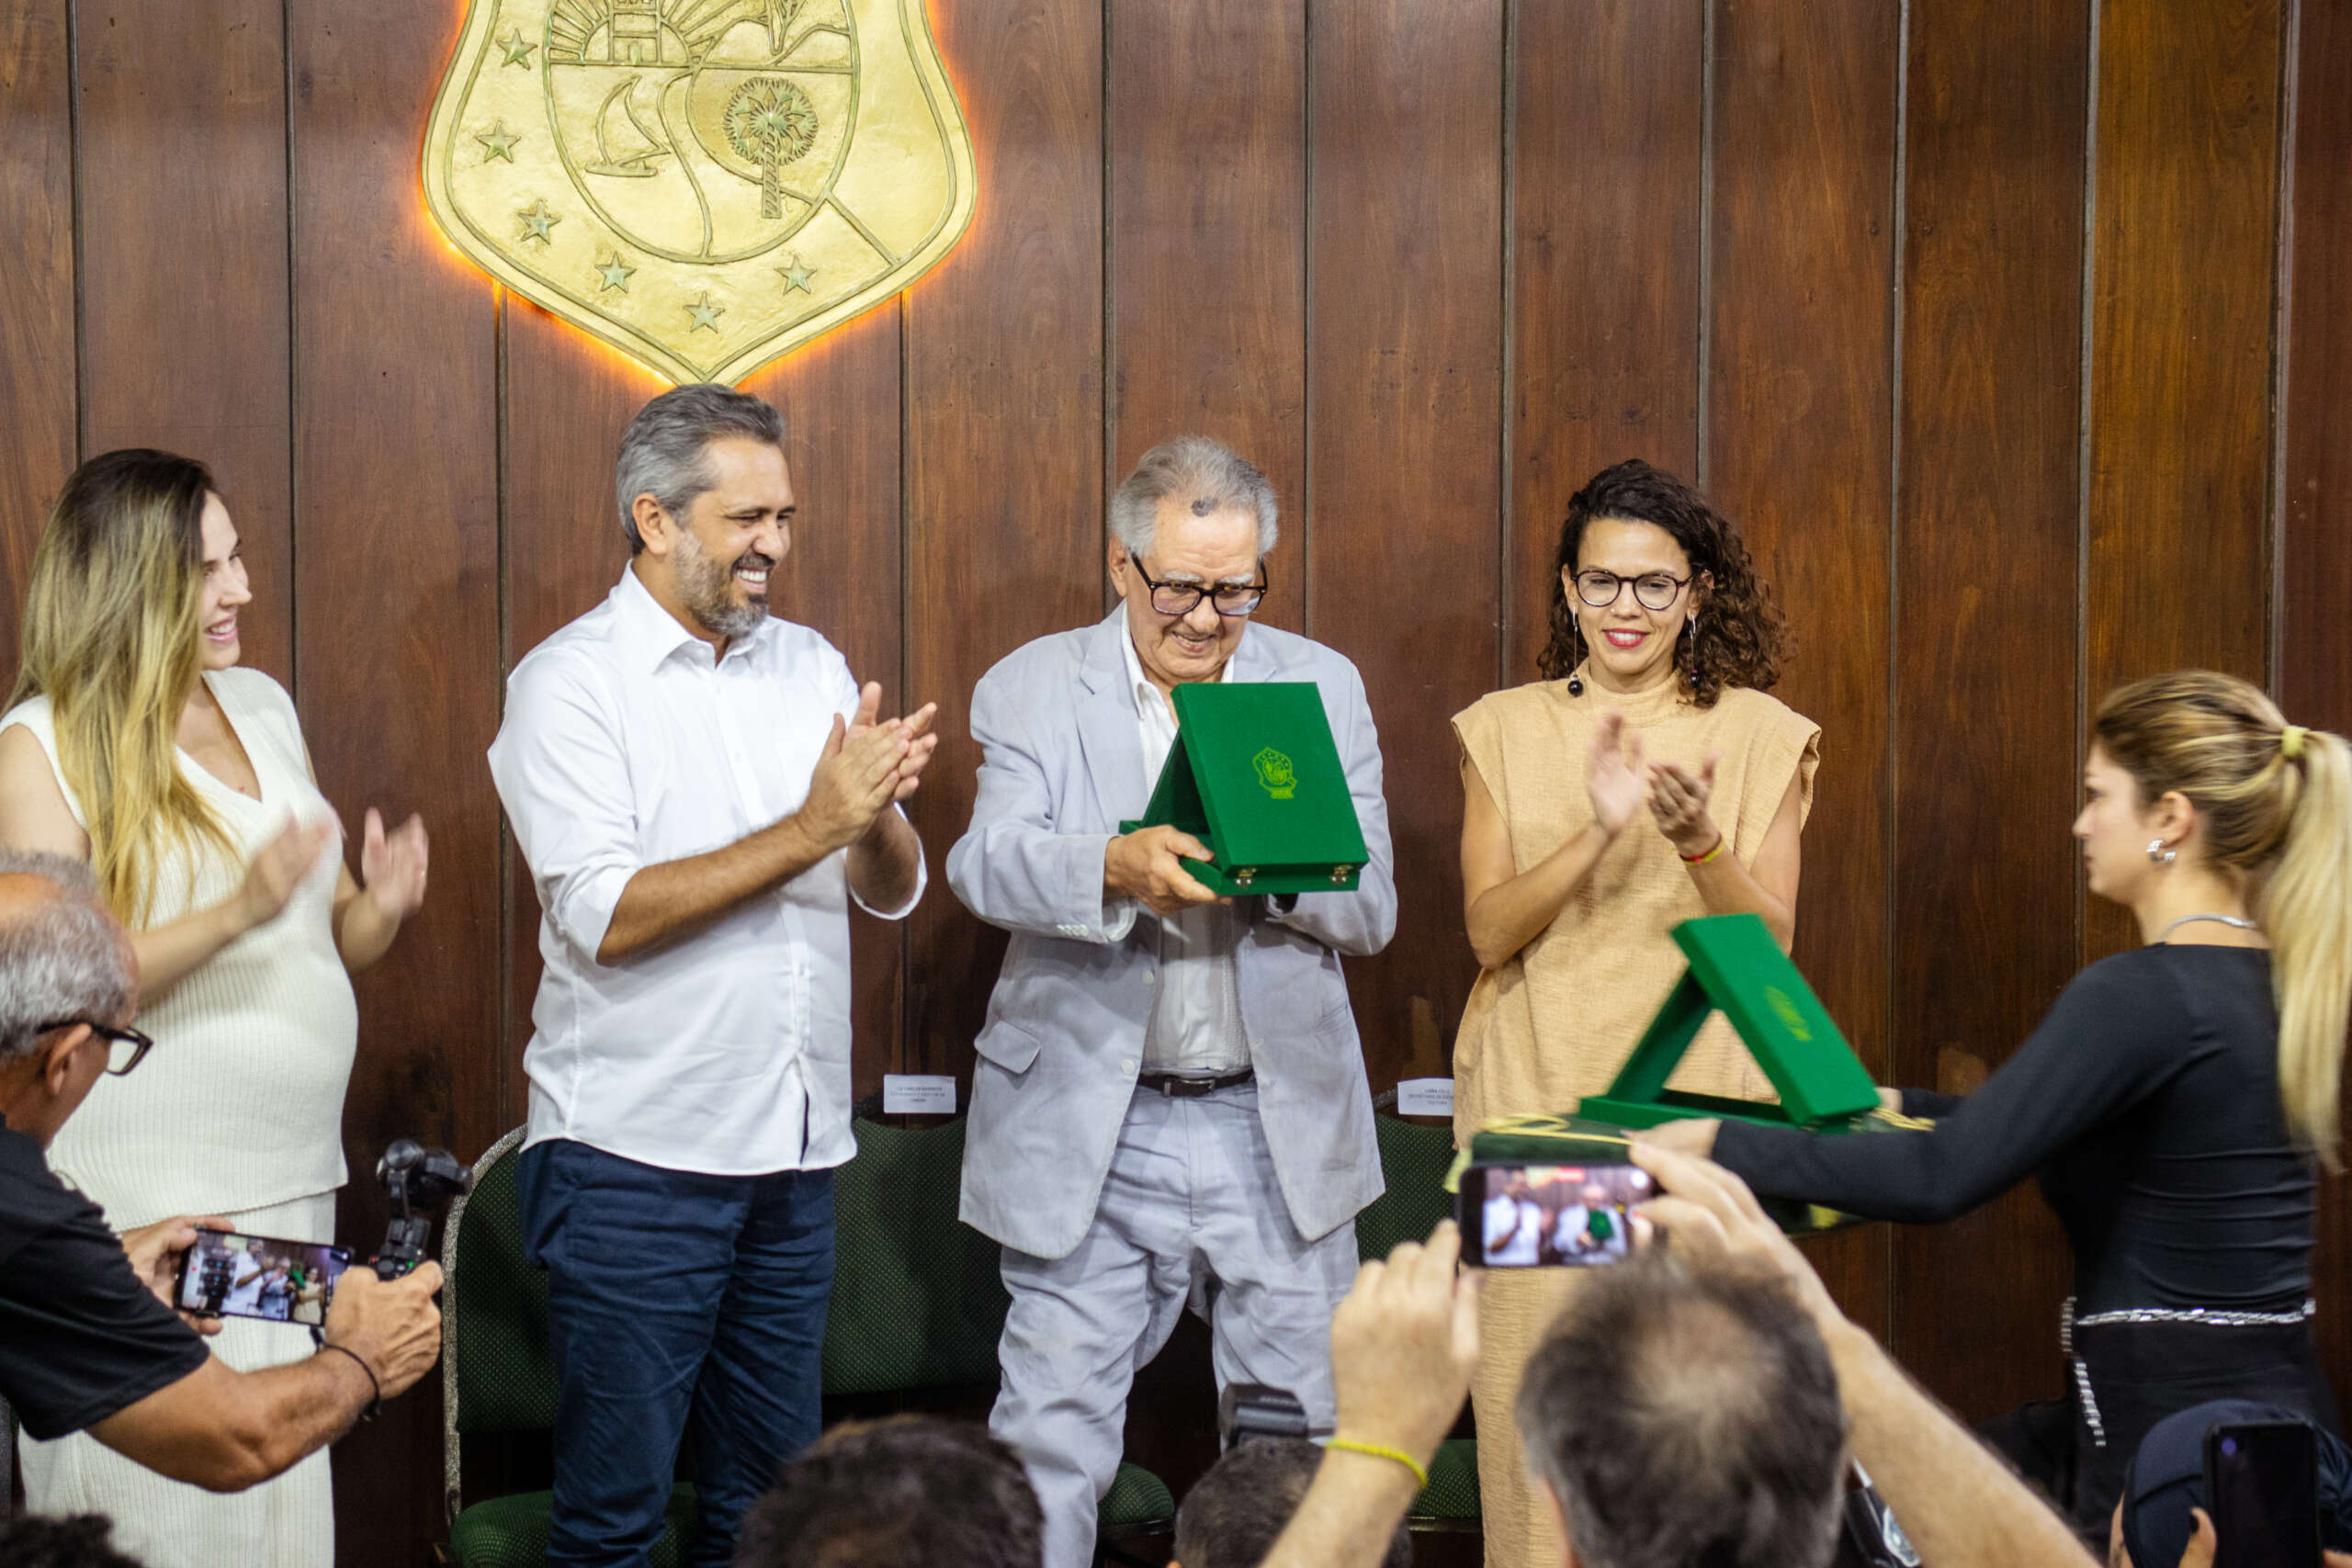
<point x="1576" y="631"/>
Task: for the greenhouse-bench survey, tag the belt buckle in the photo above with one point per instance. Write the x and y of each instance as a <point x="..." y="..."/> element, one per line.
<point x="1176" y="1085"/>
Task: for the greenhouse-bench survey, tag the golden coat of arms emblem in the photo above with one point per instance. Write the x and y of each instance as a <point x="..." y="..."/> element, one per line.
<point x="704" y="184"/>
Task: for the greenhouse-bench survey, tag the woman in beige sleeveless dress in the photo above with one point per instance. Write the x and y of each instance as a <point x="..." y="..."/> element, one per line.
<point x="1650" y="779"/>
<point x="137" y="744"/>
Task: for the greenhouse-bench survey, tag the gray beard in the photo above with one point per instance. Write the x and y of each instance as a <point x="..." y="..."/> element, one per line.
<point x="703" y="584"/>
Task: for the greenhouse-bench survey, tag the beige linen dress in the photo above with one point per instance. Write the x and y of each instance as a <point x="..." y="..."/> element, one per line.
<point x="1556" y="1021"/>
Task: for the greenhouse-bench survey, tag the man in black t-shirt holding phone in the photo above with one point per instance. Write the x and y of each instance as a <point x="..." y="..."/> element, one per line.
<point x="87" y="1340"/>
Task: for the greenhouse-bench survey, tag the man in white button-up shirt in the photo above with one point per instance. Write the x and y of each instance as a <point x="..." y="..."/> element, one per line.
<point x="698" y="790"/>
<point x="1170" y="1103"/>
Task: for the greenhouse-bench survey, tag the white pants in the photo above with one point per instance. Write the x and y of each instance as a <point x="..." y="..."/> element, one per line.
<point x="285" y="1523"/>
<point x="1190" y="1213"/>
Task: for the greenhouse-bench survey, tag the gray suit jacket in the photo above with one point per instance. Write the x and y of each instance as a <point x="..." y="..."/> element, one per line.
<point x="1062" y="765"/>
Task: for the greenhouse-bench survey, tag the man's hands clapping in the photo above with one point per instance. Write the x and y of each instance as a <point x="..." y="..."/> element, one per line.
<point x="868" y="764"/>
<point x="1147" y="865"/>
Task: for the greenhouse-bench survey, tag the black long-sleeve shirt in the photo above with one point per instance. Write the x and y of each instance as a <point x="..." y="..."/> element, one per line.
<point x="2147" y="1101"/>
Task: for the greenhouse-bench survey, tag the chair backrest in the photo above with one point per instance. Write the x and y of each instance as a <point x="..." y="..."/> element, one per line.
<point x="919" y="1300"/>
<point x="1413" y="1162"/>
<point x="497" y="1369"/>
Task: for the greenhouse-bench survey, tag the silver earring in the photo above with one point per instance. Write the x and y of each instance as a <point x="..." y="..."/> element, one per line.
<point x="2159" y="855"/>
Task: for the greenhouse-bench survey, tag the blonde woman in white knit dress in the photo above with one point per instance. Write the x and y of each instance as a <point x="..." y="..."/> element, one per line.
<point x="136" y="743"/>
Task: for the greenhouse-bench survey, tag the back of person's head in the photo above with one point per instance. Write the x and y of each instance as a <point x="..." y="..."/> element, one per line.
<point x="911" y="1492"/>
<point x="61" y="955"/>
<point x="2274" y="806"/>
<point x="1234" y="1514"/>
<point x="81" y="1541"/>
<point x="662" y="450"/>
<point x="1687" y="1418"/>
<point x="109" y="636"/>
<point x="2166" y="1480"/>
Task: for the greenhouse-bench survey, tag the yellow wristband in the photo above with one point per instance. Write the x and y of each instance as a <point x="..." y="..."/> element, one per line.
<point x="1377" y="1451"/>
<point x="1701" y="860"/>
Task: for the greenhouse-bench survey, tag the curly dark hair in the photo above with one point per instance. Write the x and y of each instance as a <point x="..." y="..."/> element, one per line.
<point x="1741" y="638"/>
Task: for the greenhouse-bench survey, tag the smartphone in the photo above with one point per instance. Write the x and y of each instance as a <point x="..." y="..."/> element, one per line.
<point x="2262" y="1488"/>
<point x="1535" y="1216"/>
<point x="227" y="1274"/>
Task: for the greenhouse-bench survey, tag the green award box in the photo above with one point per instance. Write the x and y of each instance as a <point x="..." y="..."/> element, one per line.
<point x="1738" y="970"/>
<point x="1255" y="776"/>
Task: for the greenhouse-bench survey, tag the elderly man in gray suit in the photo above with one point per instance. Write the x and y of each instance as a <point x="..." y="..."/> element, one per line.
<point x="1170" y="1105"/>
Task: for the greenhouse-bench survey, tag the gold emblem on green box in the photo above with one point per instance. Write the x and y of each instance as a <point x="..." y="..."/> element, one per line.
<point x="704" y="185"/>
<point x="1276" y="774"/>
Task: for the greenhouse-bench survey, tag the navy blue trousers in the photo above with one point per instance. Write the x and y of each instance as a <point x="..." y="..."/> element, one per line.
<point x="677" y="1303"/>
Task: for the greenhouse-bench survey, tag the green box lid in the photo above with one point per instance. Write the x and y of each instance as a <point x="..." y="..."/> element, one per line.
<point x="1255" y="776"/>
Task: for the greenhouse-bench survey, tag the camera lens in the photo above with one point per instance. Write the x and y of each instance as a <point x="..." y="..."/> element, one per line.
<point x="2230" y="1447"/>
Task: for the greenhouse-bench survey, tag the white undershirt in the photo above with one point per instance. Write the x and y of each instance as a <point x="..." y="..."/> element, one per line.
<point x="1196" y="1021"/>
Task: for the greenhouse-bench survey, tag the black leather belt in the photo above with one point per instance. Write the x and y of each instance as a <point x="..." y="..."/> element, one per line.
<point x="1178" y="1086"/>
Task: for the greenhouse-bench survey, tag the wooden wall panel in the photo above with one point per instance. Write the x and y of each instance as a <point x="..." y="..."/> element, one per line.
<point x="396" y="436"/>
<point x="841" y="398"/>
<point x="1984" y="559"/>
<point x="2183" y="236"/>
<point x="182" y="186"/>
<point x="1406" y="452"/>
<point x="1606" y="152"/>
<point x="1798" y="449"/>
<point x="1004" y="442"/>
<point x="39" y="383"/>
<point x="2313" y="674"/>
<point x="1207" y="246"/>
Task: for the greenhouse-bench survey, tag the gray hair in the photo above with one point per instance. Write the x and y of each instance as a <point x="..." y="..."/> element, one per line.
<point x="662" y="450"/>
<point x="1684" y="1417"/>
<point x="1209" y="474"/>
<point x="63" y="959"/>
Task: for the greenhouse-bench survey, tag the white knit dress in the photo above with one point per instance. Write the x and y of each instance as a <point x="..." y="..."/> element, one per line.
<point x="237" y="1111"/>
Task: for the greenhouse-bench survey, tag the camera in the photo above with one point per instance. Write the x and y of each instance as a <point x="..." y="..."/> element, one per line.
<point x="1246" y="1411"/>
<point x="420" y="1181"/>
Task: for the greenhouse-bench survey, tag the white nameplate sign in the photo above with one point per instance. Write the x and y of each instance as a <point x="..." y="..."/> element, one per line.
<point x="1425" y="1096"/>
<point x="923" y="1094"/>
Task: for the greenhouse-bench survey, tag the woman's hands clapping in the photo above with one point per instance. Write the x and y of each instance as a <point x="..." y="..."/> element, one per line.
<point x="1679" y="805"/>
<point x="391" y="866"/>
<point x="1619" y="781"/>
<point x="1616" y="778"/>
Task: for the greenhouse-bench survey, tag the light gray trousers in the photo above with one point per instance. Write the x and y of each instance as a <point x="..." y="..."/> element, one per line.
<point x="1190" y="1215"/>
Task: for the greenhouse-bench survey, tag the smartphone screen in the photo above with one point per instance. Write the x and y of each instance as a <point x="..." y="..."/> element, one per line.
<point x="1538" y="1216"/>
<point x="229" y="1275"/>
<point x="2262" y="1488"/>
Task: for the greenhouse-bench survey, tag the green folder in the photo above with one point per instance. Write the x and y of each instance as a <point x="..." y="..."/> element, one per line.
<point x="1255" y="776"/>
<point x="1738" y="970"/>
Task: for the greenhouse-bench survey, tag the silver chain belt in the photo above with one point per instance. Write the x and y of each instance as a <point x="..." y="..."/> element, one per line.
<point x="2206" y="1317"/>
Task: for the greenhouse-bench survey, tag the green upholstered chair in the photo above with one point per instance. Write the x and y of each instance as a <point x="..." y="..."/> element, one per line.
<point x="1413" y="1161"/>
<point x="918" y="1299"/>
<point x="496" y="1375"/>
<point x="917" y="1303"/>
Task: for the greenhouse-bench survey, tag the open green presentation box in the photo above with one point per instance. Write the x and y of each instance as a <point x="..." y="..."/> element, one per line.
<point x="1255" y="776"/>
<point x="1738" y="970"/>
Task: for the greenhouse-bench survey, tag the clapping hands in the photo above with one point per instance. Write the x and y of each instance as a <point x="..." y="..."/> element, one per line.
<point x="1620" y="781"/>
<point x="391" y="866"/>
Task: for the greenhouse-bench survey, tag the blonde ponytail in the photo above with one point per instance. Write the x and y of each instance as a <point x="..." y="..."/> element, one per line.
<point x="2307" y="910"/>
<point x="2275" y="802"/>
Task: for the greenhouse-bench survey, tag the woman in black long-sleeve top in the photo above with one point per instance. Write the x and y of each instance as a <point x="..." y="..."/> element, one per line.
<point x="2173" y="1101"/>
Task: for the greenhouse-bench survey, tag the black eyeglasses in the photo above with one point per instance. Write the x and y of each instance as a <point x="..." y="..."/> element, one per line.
<point x="1652" y="589"/>
<point x="126" y="1048"/>
<point x="1232" y="599"/>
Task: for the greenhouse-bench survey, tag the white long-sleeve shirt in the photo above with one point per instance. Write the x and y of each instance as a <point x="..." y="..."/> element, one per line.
<point x="726" y="1051"/>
